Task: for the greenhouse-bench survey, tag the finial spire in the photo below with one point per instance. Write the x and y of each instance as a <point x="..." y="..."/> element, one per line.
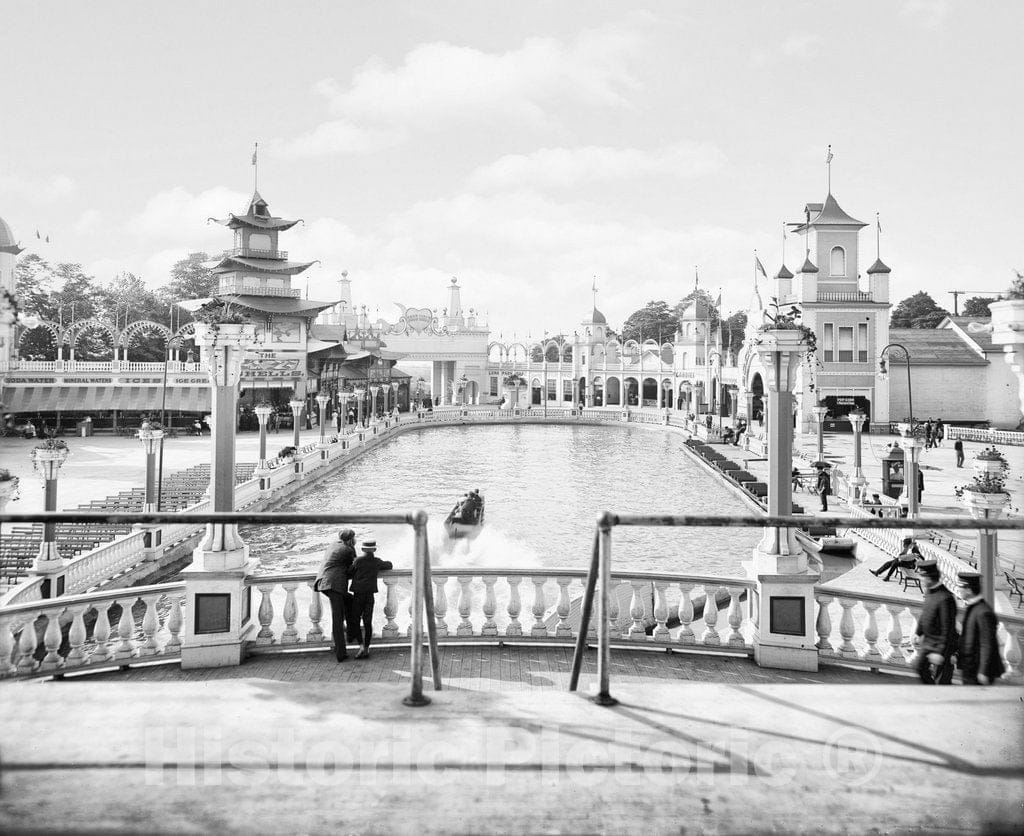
<point x="783" y="243"/>
<point x="593" y="288"/>
<point x="828" y="167"/>
<point x="255" y="166"/>
<point x="696" y="277"/>
<point x="878" y="238"/>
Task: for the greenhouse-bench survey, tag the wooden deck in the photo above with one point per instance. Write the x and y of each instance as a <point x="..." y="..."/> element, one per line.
<point x="500" y="668"/>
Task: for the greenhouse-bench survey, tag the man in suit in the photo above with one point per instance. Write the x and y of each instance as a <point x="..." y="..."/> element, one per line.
<point x="364" y="586"/>
<point x="332" y="580"/>
<point x="978" y="656"/>
<point x="824" y="487"/>
<point x="936" y="628"/>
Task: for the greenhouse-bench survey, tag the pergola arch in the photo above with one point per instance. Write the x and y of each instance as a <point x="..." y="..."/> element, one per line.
<point x="142" y="326"/>
<point x="73" y="332"/>
<point x="497" y="352"/>
<point x="45" y="325"/>
<point x="613" y="392"/>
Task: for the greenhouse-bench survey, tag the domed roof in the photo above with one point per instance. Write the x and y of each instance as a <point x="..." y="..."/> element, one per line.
<point x="878" y="267"/>
<point x="784" y="273"/>
<point x="598" y="318"/>
<point x="7" y="242"/>
<point x="808" y="266"/>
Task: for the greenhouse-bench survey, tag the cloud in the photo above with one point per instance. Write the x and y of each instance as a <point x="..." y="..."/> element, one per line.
<point x="41" y="190"/>
<point x="563" y="167"/>
<point x="928" y="14"/>
<point x="802" y="44"/>
<point x="89" y="222"/>
<point x="440" y="85"/>
<point x="177" y="214"/>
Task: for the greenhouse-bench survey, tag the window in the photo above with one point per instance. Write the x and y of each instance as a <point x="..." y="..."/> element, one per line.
<point x="567" y="390"/>
<point x="552" y="390"/>
<point x="862" y="342"/>
<point x="846" y="345"/>
<point x="494" y="385"/>
<point x="829" y="342"/>
<point x="837" y="262"/>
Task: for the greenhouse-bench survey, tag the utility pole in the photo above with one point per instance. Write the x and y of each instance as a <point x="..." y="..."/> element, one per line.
<point x="956" y="294"/>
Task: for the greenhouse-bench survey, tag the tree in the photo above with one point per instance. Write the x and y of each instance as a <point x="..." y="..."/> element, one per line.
<point x="733" y="329"/>
<point x="978" y="306"/>
<point x="190" y="279"/>
<point x="654" y="321"/>
<point x="917" y="311"/>
<point x="702" y="294"/>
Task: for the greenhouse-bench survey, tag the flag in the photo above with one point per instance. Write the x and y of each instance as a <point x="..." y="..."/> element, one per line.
<point x="718" y="301"/>
<point x="878" y="223"/>
<point x="38" y="235"/>
<point x="255" y="148"/>
<point x="828" y="159"/>
<point x="759" y="267"/>
<point x="47" y="239"/>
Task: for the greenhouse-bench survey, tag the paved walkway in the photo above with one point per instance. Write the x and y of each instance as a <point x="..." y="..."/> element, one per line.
<point x="254" y="755"/>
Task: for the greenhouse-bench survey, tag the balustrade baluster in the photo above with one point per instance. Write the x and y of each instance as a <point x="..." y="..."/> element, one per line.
<point x="661" y="633"/>
<point x="265" y="614"/>
<point x="515" y="606"/>
<point x="895" y="636"/>
<point x="490" y="628"/>
<point x="710" y="634"/>
<point x="101" y="633"/>
<point x="6" y="649"/>
<point x="76" y="637"/>
<point x="51" y="640"/>
<point x="1012" y="638"/>
<point x="27" y="647"/>
<point x="150" y="626"/>
<point x="539" y="629"/>
<point x="823" y="625"/>
<point x="390" y="628"/>
<point x="440" y="604"/>
<point x="613" y="609"/>
<point x="636" y="612"/>
<point x="291" y="613"/>
<point x="465" y="627"/>
<point x="871" y="631"/>
<point x="847" y="627"/>
<point x="735" y="616"/>
<point x="563" y="628"/>
<point x="686" y="635"/>
<point x="126" y="631"/>
<point x="174" y="623"/>
<point x="315" y="633"/>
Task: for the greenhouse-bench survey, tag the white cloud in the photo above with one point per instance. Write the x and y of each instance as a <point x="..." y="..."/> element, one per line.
<point x="928" y="14"/>
<point x="41" y="190"/>
<point x="89" y="222"/>
<point x="439" y="85"/>
<point x="802" y="45"/>
<point x="177" y="214"/>
<point x="563" y="167"/>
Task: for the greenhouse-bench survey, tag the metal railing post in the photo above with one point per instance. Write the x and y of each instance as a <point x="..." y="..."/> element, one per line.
<point x="416" y="696"/>
<point x="428" y="597"/>
<point x="587" y="607"/>
<point x="603" y="697"/>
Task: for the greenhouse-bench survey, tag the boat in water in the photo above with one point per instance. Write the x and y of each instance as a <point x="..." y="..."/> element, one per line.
<point x="466" y="518"/>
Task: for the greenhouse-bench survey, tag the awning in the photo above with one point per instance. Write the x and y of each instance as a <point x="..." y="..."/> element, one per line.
<point x="28" y="400"/>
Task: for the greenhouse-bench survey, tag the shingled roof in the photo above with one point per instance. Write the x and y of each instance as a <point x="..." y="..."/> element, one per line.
<point x="934" y="347"/>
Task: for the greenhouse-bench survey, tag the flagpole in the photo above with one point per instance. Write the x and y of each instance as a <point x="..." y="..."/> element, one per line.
<point x="255" y="166"/>
<point x="878" y="238"/>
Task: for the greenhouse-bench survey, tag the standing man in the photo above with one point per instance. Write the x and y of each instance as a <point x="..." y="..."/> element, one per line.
<point x="337" y="421"/>
<point x="920" y="485"/>
<point x="332" y="580"/>
<point x="958" y="448"/>
<point x="978" y="656"/>
<point x="936" y="628"/>
<point x="364" y="585"/>
<point x="824" y="487"/>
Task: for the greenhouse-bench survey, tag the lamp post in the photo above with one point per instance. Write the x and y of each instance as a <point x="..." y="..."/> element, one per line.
<point x="820" y="413"/>
<point x="150" y="438"/>
<point x="907" y="429"/>
<point x="394" y="396"/>
<point x="322" y="399"/>
<point x="419" y="393"/>
<point x="715" y="392"/>
<point x="296" y="407"/>
<point x="263" y="411"/>
<point x="360" y="406"/>
<point x="373" y="403"/>
<point x="857" y="418"/>
<point x="47" y="460"/>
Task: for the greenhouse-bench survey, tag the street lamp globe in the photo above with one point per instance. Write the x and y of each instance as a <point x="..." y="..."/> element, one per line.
<point x="857" y="418"/>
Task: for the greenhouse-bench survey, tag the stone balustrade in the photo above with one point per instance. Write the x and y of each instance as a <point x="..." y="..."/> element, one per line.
<point x="95" y="630"/>
<point x="541" y="605"/>
<point x="986" y="436"/>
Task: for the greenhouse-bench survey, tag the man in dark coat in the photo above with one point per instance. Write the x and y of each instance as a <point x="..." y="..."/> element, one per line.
<point x="978" y="656"/>
<point x="364" y="585"/>
<point x="824" y="487"/>
<point x="332" y="580"/>
<point x="936" y="628"/>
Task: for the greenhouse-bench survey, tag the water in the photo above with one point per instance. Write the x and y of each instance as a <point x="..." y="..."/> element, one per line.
<point x="544" y="488"/>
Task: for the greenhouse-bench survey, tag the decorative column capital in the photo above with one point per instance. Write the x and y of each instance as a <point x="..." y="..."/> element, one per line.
<point x="225" y="344"/>
<point x="789" y="344"/>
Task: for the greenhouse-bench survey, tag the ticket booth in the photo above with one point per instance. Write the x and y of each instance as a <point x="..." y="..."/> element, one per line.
<point x="893" y="471"/>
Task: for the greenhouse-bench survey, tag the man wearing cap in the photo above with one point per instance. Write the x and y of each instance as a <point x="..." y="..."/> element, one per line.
<point x="978" y="656"/>
<point x="332" y="581"/>
<point x="824" y="487"/>
<point x="364" y="585"/>
<point x="905" y="560"/>
<point x="936" y="628"/>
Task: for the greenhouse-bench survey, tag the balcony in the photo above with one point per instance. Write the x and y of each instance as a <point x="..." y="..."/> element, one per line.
<point x="844" y="296"/>
<point x="250" y="252"/>
<point x="258" y="290"/>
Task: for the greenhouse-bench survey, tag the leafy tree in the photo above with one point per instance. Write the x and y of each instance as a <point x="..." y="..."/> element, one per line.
<point x="733" y="329"/>
<point x="917" y="311"/>
<point x="128" y="299"/>
<point x="190" y="279"/>
<point x="978" y="306"/>
<point x="702" y="294"/>
<point x="653" y="321"/>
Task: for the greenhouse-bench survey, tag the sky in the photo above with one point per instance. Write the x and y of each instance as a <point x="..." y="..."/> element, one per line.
<point x="531" y="149"/>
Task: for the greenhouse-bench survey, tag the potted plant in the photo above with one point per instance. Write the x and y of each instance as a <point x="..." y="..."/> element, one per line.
<point x="991" y="462"/>
<point x="986" y="494"/>
<point x="783" y="328"/>
<point x="217" y="321"/>
<point x="48" y="456"/>
<point x="287" y="452"/>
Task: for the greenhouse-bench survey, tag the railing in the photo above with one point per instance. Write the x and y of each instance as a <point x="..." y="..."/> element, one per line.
<point x="844" y="296"/>
<point x="77" y="366"/>
<point x="258" y="290"/>
<point x="987" y="436"/>
<point x="250" y="252"/>
<point x="133" y="366"/>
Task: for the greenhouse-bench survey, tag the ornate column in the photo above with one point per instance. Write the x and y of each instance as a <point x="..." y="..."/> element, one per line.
<point x="910" y="465"/>
<point x="373" y="403"/>
<point x="322" y="399"/>
<point x="1008" y="329"/>
<point x="150" y="435"/>
<point x="360" y="406"/>
<point x="785" y="635"/>
<point x="820" y="413"/>
<point x="986" y="498"/>
<point x="217" y="613"/>
<point x="47" y="459"/>
<point x="263" y="411"/>
<point x="857" y="418"/>
<point x="296" y="407"/>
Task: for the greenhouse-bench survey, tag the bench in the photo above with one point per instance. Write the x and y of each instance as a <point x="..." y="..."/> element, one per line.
<point x="908" y="576"/>
<point x="1015" y="584"/>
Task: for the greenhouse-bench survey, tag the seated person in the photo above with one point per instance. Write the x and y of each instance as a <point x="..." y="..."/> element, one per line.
<point x="798" y="481"/>
<point x="906" y="559"/>
<point x="874" y="502"/>
<point x="728" y="435"/>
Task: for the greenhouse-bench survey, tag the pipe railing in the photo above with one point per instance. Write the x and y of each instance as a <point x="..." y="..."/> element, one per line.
<point x="599" y="573"/>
